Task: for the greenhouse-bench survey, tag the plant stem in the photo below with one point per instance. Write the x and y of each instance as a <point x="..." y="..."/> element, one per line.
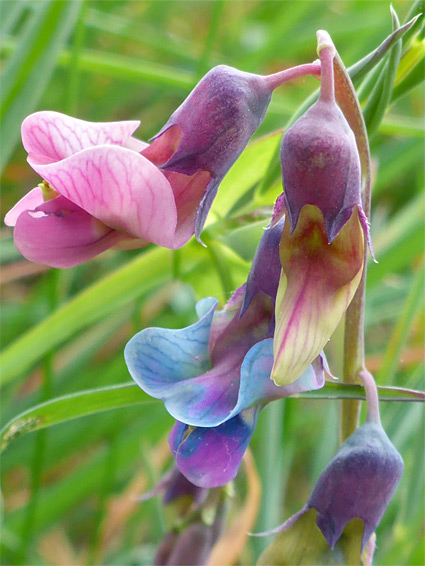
<point x="277" y="79"/>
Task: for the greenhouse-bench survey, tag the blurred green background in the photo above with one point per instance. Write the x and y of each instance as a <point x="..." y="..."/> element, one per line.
<point x="69" y="491"/>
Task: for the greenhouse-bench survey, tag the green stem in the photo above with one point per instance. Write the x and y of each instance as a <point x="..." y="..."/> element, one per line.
<point x="270" y="470"/>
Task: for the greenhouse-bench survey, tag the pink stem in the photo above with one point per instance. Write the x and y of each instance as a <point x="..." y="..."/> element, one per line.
<point x="327" y="89"/>
<point x="372" y="398"/>
<point x="282" y="77"/>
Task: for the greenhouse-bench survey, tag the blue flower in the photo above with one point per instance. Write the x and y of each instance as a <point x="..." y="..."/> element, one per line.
<point x="214" y="377"/>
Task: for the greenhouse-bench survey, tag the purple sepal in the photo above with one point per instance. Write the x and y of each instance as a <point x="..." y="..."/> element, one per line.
<point x="192" y="547"/>
<point x="321" y="167"/>
<point x="358" y="483"/>
<point x="266" y="267"/>
<point x="216" y="121"/>
<point x="177" y="486"/>
<point x="210" y="457"/>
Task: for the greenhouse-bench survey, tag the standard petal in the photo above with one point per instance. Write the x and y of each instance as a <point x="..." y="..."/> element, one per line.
<point x="52" y="136"/>
<point x="210" y="457"/>
<point x="29" y="202"/>
<point x="317" y="284"/>
<point x="119" y="187"/>
<point x="60" y="234"/>
<point x="158" y="358"/>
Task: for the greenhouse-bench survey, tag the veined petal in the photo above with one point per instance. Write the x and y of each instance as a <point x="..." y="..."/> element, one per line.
<point x="119" y="187"/>
<point x="210" y="457"/>
<point x="30" y="201"/>
<point x="52" y="136"/>
<point x="157" y="358"/>
<point x="60" y="234"/>
<point x="317" y="284"/>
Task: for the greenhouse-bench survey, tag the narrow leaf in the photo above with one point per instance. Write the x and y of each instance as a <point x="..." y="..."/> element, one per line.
<point x="71" y="407"/>
<point x="28" y="71"/>
<point x="94" y="401"/>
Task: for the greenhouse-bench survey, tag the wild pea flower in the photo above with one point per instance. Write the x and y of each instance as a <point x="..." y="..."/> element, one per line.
<point x="212" y="127"/>
<point x="99" y="191"/>
<point x="358" y="482"/>
<point x="103" y="188"/>
<point x="214" y="377"/>
<point x="322" y="246"/>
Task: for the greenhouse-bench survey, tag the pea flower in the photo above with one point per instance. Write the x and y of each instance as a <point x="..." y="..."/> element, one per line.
<point x="322" y="246"/>
<point x="212" y="127"/>
<point x="358" y="482"/>
<point x="99" y="191"/>
<point x="214" y="377"/>
<point x="104" y="188"/>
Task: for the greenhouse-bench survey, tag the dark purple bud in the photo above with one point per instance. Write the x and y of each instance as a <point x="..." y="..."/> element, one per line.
<point x="193" y="546"/>
<point x="320" y="160"/>
<point x="165" y="548"/>
<point x="266" y="267"/>
<point x="358" y="483"/>
<point x="177" y="487"/>
<point x="211" y="128"/>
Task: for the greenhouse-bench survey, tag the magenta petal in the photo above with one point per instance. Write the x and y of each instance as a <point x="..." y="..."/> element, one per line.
<point x="30" y="201"/>
<point x="60" y="234"/>
<point x="119" y="187"/>
<point x="51" y="136"/>
<point x="210" y="457"/>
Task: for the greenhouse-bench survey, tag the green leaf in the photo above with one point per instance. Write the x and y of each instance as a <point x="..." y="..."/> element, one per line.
<point x="142" y="274"/>
<point x="362" y="67"/>
<point x="381" y="95"/>
<point x="400" y="334"/>
<point x="94" y="401"/>
<point x="28" y="72"/>
<point x="71" y="407"/>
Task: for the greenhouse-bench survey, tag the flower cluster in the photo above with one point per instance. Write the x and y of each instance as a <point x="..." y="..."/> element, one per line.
<point x="102" y="187"/>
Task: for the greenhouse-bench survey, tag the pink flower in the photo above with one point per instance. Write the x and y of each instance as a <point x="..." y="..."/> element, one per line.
<point x="99" y="191"/>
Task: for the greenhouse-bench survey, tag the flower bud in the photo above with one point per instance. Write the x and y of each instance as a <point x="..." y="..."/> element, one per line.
<point x="211" y="128"/>
<point x="358" y="483"/>
<point x="320" y="160"/>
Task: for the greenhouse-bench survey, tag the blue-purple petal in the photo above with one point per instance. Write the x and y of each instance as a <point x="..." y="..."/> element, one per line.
<point x="159" y="358"/>
<point x="266" y="267"/>
<point x="210" y="457"/>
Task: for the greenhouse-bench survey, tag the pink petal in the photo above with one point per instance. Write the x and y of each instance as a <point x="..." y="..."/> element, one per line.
<point x="119" y="187"/>
<point x="60" y="234"/>
<point x="30" y="201"/>
<point x="188" y="191"/>
<point x="51" y="136"/>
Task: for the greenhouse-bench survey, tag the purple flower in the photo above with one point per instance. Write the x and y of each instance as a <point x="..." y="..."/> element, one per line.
<point x="358" y="482"/>
<point x="213" y="125"/>
<point x="214" y="377"/>
<point x="99" y="191"/>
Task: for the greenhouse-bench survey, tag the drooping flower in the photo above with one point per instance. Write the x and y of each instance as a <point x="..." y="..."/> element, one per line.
<point x="213" y="125"/>
<point x="214" y="377"/>
<point x="322" y="246"/>
<point x="99" y="191"/>
<point x="358" y="482"/>
<point x="104" y="188"/>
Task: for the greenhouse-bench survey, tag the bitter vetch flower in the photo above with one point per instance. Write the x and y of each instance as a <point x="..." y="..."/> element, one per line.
<point x="322" y="246"/>
<point x="214" y="377"/>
